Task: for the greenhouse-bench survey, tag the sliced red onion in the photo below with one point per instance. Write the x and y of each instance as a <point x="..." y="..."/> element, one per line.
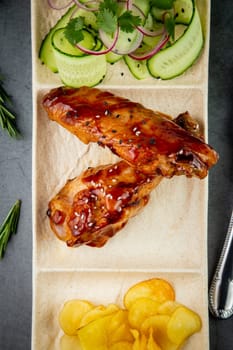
<point x="102" y="52"/>
<point x="149" y="32"/>
<point x="156" y="49"/>
<point x="85" y="7"/>
<point x="143" y="30"/>
<point x="134" y="47"/>
<point x="129" y="4"/>
<point x="140" y="12"/>
<point x="137" y="42"/>
<point x="55" y="7"/>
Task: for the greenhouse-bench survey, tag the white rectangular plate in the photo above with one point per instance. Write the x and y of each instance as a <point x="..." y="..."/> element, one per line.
<point x="167" y="239"/>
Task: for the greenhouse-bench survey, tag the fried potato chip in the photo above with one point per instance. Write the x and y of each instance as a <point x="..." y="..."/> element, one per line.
<point x="95" y="334"/>
<point x="141" y="309"/>
<point x="70" y="342"/>
<point x="168" y="307"/>
<point x="140" y="342"/>
<point x="119" y="328"/>
<point x="122" y="345"/>
<point x="152" y="320"/>
<point x="158" y="323"/>
<point x="155" y="288"/>
<point x="151" y="343"/>
<point x="96" y="312"/>
<point x="182" y="324"/>
<point x="143" y="342"/>
<point x="72" y="313"/>
<point x="119" y="317"/>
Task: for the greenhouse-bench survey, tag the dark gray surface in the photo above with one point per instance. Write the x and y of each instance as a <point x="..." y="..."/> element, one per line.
<point x="221" y="137"/>
<point x="15" y="166"/>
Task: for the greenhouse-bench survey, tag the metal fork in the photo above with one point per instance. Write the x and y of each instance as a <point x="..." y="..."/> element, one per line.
<point x="221" y="288"/>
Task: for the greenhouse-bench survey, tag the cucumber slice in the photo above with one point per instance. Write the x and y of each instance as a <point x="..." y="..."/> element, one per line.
<point x="175" y="59"/>
<point x="151" y="41"/>
<point x="89" y="18"/>
<point x="163" y="4"/>
<point x="61" y="43"/>
<point x="76" y="70"/>
<point x="158" y="13"/>
<point x="127" y="42"/>
<point x="152" y="25"/>
<point x="46" y="51"/>
<point x="90" y="4"/>
<point x="112" y="57"/>
<point x="179" y="31"/>
<point x="137" y="68"/>
<point x="46" y="54"/>
<point x="99" y="45"/>
<point x="182" y="9"/>
<point x="143" y="5"/>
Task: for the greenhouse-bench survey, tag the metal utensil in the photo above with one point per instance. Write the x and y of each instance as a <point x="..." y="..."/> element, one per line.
<point x="221" y="288"/>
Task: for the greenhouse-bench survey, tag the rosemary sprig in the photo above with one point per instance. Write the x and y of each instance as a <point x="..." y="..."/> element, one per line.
<point x="9" y="226"/>
<point x="7" y="118"/>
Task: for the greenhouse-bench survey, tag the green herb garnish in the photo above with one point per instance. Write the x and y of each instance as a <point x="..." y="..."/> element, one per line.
<point x="169" y="22"/>
<point x="73" y="31"/>
<point x="110" y="5"/>
<point x="9" y="227"/>
<point x="108" y="17"/>
<point x="7" y="118"/>
<point x="127" y="21"/>
<point x="106" y="21"/>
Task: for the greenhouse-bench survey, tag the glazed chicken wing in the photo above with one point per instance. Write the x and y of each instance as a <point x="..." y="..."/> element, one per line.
<point x="92" y="207"/>
<point x="145" y="139"/>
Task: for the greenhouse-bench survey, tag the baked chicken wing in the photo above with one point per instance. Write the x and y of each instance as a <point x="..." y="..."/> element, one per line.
<point x="145" y="139"/>
<point x="92" y="207"/>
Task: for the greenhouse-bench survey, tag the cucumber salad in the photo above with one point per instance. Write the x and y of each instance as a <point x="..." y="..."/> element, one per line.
<point x="158" y="38"/>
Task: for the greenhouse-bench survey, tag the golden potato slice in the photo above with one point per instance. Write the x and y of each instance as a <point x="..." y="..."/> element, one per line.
<point x="95" y="334"/>
<point x="117" y="319"/>
<point x="151" y="343"/>
<point x="121" y="334"/>
<point x="70" y="342"/>
<point x="122" y="345"/>
<point x="140" y="342"/>
<point x="168" y="307"/>
<point x="158" y="323"/>
<point x="182" y="324"/>
<point x="72" y="313"/>
<point x="96" y="312"/>
<point x="141" y="309"/>
<point x="155" y="288"/>
<point x="144" y="342"/>
<point x="119" y="328"/>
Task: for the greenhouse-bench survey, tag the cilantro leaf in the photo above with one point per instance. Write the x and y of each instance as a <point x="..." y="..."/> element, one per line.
<point x="127" y="21"/>
<point x="110" y="5"/>
<point x="169" y="22"/>
<point x="73" y="31"/>
<point x="107" y="21"/>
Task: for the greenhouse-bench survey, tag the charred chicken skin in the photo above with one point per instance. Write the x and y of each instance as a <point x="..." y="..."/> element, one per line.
<point x="92" y="207"/>
<point x="145" y="139"/>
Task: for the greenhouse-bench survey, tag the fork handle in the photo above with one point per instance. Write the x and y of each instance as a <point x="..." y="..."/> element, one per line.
<point x="221" y="288"/>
